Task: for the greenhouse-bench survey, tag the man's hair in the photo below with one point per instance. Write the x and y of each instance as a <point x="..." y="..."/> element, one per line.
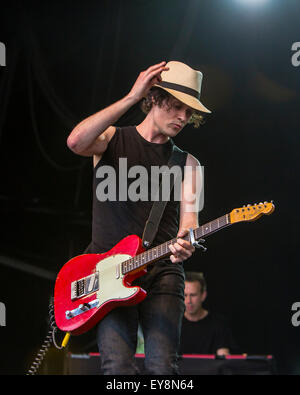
<point x="196" y="276"/>
<point x="160" y="97"/>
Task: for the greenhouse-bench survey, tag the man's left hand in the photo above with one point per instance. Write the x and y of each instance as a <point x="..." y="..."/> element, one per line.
<point x="182" y="249"/>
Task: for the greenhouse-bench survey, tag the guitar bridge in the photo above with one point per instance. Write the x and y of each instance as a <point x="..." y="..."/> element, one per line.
<point x="81" y="309"/>
<point x="85" y="286"/>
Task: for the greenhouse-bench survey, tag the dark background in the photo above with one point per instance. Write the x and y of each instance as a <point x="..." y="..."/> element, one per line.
<point x="66" y="60"/>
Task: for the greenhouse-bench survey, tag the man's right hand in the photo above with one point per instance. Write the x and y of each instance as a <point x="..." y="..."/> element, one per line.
<point x="146" y="80"/>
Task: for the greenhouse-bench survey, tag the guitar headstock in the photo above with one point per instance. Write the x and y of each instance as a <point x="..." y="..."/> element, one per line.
<point x="251" y="212"/>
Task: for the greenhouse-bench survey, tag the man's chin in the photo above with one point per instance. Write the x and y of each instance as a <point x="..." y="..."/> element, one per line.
<point x="171" y="132"/>
<point x="190" y="310"/>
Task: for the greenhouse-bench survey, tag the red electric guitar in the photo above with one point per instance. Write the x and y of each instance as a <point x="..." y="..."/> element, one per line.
<point x="90" y="285"/>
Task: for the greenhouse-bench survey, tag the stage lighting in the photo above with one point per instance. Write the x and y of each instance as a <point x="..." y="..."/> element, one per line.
<point x="252" y="2"/>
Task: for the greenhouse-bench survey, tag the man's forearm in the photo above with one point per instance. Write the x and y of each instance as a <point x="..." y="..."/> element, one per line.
<point x="88" y="130"/>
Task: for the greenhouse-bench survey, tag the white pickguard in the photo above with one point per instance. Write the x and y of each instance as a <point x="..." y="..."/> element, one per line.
<point x="110" y="283"/>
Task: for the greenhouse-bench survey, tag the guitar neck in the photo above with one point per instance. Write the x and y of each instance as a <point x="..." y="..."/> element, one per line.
<point x="162" y="251"/>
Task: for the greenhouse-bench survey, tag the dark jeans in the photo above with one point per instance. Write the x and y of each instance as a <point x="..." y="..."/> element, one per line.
<point x="159" y="315"/>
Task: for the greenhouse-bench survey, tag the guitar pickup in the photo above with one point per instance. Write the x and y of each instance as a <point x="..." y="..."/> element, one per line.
<point x="85" y="286"/>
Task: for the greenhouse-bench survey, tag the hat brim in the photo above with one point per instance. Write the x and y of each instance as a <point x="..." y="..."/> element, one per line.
<point x="189" y="100"/>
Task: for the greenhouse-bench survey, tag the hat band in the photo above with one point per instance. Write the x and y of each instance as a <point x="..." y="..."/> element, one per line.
<point x="180" y="88"/>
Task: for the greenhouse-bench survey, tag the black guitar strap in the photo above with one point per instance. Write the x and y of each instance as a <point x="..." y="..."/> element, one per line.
<point x="178" y="157"/>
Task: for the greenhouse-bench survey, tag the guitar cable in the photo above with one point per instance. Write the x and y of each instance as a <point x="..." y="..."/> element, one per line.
<point x="49" y="339"/>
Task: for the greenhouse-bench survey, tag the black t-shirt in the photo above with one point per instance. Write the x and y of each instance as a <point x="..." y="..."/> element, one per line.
<point x="115" y="219"/>
<point x="206" y="336"/>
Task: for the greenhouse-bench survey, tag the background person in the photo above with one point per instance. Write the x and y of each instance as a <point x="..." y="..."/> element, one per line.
<point x="203" y="332"/>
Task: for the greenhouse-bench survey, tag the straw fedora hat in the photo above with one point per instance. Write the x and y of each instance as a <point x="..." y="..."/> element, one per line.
<point x="184" y="83"/>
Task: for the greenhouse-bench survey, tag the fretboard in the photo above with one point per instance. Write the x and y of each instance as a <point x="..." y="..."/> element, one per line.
<point x="162" y="251"/>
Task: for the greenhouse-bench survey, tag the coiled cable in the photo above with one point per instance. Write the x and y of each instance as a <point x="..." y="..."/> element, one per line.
<point x="49" y="339"/>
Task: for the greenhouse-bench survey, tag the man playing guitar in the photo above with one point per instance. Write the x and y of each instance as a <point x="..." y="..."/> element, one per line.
<point x="170" y="94"/>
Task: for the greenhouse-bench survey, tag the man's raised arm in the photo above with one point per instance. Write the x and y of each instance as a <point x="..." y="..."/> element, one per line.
<point x="91" y="136"/>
